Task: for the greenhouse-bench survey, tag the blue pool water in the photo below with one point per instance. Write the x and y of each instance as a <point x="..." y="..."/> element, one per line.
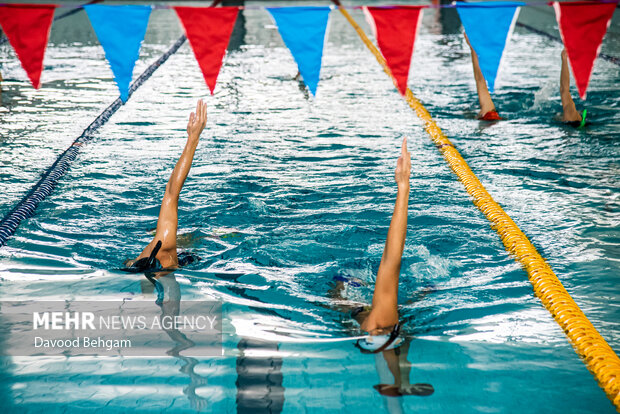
<point x="287" y="192"/>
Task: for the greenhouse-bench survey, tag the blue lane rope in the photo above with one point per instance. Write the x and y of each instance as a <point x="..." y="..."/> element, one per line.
<point x="26" y="207"/>
<point x="608" y="58"/>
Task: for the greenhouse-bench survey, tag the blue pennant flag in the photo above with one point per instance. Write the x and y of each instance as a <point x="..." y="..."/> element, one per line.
<point x="120" y="30"/>
<point x="488" y="26"/>
<point x="303" y="31"/>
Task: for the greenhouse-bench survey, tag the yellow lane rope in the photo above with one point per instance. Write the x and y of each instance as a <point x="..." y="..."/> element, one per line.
<point x="598" y="356"/>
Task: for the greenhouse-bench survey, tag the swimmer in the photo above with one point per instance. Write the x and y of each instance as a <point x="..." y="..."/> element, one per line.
<point x="487" y="108"/>
<point x="570" y="114"/>
<point x="161" y="253"/>
<point x="381" y="319"/>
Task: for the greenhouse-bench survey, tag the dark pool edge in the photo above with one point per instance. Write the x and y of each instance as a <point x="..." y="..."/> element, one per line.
<point x="603" y="56"/>
<point x="4" y="39"/>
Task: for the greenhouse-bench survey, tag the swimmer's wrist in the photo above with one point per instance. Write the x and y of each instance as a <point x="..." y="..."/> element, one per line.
<point x="403" y="187"/>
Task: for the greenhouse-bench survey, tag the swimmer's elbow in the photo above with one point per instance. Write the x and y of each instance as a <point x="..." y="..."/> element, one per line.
<point x="389" y="268"/>
<point x="170" y="193"/>
<point x="565" y="92"/>
<point x="391" y="264"/>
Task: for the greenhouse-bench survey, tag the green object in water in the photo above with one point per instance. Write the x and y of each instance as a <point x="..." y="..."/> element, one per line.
<point x="583" y="118"/>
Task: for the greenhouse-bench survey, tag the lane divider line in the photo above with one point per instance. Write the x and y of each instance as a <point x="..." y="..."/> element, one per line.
<point x="44" y="187"/>
<point x="594" y="351"/>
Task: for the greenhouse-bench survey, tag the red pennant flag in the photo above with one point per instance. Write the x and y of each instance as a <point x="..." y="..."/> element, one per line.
<point x="583" y="26"/>
<point x="208" y="31"/>
<point x="395" y="29"/>
<point x="28" y="28"/>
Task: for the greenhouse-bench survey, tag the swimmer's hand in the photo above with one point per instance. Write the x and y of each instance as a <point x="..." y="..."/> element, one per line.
<point x="403" y="167"/>
<point x="197" y="121"/>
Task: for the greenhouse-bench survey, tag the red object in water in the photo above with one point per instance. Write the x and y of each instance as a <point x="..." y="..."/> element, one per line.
<point x="28" y="27"/>
<point x="396" y="28"/>
<point x="208" y="31"/>
<point x="491" y="116"/>
<point x="583" y="26"/>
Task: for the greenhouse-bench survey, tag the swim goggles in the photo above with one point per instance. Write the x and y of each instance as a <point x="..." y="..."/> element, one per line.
<point x="146" y="263"/>
<point x="374" y="344"/>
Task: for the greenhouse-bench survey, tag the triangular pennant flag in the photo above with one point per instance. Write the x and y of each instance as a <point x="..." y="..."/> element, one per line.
<point x="28" y="28"/>
<point x="208" y="30"/>
<point x="488" y="26"/>
<point x="583" y="26"/>
<point x="303" y="31"/>
<point x="395" y="29"/>
<point x="120" y="30"/>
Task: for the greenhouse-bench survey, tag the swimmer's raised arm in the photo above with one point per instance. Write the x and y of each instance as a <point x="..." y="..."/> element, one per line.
<point x="384" y="311"/>
<point x="195" y="126"/>
<point x="167" y="222"/>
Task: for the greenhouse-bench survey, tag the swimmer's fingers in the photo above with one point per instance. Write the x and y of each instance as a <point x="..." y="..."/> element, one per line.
<point x="190" y="123"/>
<point x="203" y="113"/>
<point x="403" y="165"/>
<point x="197" y="120"/>
<point x="401" y="175"/>
<point x="198" y="107"/>
<point x="405" y="155"/>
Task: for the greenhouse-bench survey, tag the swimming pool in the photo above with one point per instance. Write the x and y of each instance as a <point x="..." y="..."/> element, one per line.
<point x="302" y="189"/>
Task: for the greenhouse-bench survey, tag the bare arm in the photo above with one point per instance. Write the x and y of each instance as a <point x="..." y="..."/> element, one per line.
<point x="181" y="169"/>
<point x="568" y="105"/>
<point x="167" y="222"/>
<point x="484" y="97"/>
<point x="385" y="299"/>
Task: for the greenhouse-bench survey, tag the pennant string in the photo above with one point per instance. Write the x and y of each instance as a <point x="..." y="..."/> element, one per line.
<point x="489" y="52"/>
<point x="75" y="10"/>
